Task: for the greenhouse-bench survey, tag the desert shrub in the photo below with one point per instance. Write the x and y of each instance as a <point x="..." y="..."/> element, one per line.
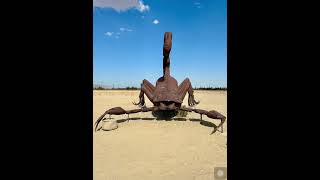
<point x="131" y="88"/>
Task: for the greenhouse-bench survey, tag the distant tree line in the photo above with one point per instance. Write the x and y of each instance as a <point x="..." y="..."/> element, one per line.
<point x="126" y="88"/>
<point x="98" y="88"/>
<point x="135" y="88"/>
<point x="211" y="88"/>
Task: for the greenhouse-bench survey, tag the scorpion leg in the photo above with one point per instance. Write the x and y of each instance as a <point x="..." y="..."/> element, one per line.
<point x="185" y="87"/>
<point x="148" y="89"/>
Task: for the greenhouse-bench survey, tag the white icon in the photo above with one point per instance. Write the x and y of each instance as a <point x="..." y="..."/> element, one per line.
<point x="220" y="173"/>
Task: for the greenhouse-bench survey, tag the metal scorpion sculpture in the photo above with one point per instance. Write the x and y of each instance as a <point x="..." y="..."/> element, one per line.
<point x="166" y="96"/>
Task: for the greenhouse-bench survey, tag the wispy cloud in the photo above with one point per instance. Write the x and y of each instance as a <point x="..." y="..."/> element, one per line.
<point x="125" y="29"/>
<point x="197" y="4"/>
<point x="122" y="5"/>
<point x="108" y="34"/>
<point x="117" y="34"/>
<point x="156" y="21"/>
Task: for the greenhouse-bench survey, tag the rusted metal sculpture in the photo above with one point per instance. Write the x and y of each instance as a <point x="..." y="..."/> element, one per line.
<point x="166" y="95"/>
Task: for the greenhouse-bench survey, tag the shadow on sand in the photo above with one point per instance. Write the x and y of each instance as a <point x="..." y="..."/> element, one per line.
<point x="179" y="119"/>
<point x="170" y="116"/>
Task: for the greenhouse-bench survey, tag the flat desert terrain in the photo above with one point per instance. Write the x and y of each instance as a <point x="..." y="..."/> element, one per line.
<point x="151" y="149"/>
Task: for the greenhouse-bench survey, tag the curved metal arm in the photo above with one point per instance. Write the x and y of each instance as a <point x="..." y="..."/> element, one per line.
<point x="119" y="111"/>
<point x="211" y="114"/>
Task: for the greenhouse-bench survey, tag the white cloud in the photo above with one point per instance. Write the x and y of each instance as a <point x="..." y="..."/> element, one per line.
<point x="108" y="33"/>
<point x="122" y="5"/>
<point x="118" y="33"/>
<point x="125" y="29"/>
<point x="143" y="7"/>
<point x="117" y="37"/>
<point x="155" y="21"/>
<point x="196" y="3"/>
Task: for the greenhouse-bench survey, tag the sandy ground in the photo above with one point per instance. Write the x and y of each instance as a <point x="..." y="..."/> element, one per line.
<point x="146" y="148"/>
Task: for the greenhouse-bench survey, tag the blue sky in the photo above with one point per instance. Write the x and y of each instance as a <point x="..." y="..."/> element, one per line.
<point x="128" y="41"/>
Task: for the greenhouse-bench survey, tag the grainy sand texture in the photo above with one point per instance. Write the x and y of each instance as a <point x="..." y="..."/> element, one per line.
<point x="149" y="149"/>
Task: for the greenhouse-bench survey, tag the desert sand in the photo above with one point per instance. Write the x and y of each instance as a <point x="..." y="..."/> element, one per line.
<point x="151" y="149"/>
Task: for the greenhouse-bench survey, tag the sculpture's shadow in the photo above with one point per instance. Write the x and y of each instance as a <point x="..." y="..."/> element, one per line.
<point x="164" y="115"/>
<point x="205" y="123"/>
<point x="171" y="116"/>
